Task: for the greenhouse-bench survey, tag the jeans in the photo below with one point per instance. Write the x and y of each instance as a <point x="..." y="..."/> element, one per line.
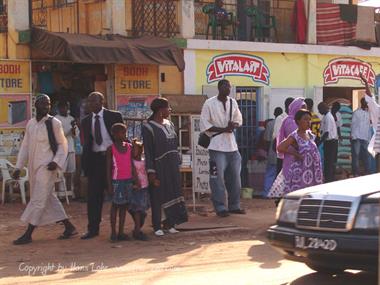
<point x="225" y="170"/>
<point x="270" y="177"/>
<point x="359" y="151"/>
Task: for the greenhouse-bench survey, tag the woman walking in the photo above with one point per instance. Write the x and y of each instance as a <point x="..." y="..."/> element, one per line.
<point x="162" y="164"/>
<point x="304" y="167"/>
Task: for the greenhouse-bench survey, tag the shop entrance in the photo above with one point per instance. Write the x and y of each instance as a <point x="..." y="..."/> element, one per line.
<point x="349" y="100"/>
<point x="247" y="99"/>
<point x="69" y="82"/>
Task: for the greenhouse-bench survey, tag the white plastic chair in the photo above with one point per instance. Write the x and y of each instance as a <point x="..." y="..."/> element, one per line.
<point x="62" y="187"/>
<point x="5" y="166"/>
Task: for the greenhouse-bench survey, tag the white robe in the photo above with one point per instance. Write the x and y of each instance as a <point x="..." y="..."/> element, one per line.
<point x="373" y="109"/>
<point x="44" y="206"/>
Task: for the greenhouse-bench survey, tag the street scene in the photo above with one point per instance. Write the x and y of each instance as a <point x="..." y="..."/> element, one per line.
<point x="193" y="142"/>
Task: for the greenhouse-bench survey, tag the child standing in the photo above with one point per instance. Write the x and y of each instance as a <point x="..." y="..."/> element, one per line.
<point x="119" y="177"/>
<point x="138" y="197"/>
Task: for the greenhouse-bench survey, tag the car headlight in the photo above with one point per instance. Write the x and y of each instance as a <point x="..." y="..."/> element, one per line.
<point x="368" y="216"/>
<point x="287" y="210"/>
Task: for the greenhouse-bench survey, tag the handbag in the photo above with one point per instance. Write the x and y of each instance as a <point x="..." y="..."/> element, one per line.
<point x="204" y="139"/>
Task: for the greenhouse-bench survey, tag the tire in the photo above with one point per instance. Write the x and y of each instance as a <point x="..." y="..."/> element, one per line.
<point x="325" y="269"/>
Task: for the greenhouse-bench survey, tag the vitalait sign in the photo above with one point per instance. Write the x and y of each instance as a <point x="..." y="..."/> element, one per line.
<point x="348" y="68"/>
<point x="237" y="65"/>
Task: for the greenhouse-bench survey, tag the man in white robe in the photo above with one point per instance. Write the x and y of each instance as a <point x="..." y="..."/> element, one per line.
<point x="43" y="166"/>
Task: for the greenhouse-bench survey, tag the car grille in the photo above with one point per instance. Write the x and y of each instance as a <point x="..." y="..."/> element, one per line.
<point x="323" y="214"/>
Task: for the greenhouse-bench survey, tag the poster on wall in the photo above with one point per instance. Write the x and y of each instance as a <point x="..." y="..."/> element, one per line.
<point x="200" y="160"/>
<point x="134" y="109"/>
<point x="348" y="68"/>
<point x="136" y="79"/>
<point x="14" y="111"/>
<point x="10" y="142"/>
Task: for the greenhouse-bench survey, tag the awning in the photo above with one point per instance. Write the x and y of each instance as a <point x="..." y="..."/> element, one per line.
<point x="83" y="48"/>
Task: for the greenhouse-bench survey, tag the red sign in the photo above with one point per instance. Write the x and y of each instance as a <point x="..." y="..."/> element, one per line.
<point x="238" y="65"/>
<point x="348" y="68"/>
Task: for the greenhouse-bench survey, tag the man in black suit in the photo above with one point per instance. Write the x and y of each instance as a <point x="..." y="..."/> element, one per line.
<point x="96" y="129"/>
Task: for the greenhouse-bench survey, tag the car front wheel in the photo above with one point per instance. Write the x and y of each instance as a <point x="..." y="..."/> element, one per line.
<point x="324" y="269"/>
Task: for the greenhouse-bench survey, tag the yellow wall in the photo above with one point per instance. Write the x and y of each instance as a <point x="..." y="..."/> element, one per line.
<point x="173" y="84"/>
<point x="286" y="70"/>
<point x="3" y="45"/>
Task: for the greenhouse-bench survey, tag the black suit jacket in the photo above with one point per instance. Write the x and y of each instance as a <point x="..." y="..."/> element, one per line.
<point x="110" y="118"/>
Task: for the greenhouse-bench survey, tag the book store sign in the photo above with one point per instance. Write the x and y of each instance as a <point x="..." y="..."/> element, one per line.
<point x="14" y="77"/>
<point x="238" y="65"/>
<point x="136" y="79"/>
<point x="348" y="68"/>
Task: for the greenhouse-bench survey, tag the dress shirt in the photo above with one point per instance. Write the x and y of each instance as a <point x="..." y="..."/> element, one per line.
<point x="278" y="123"/>
<point x="360" y="126"/>
<point x="328" y="125"/>
<point x="107" y="141"/>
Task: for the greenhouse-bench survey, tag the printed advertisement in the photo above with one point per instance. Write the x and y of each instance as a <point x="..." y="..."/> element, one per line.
<point x="136" y="79"/>
<point x="14" y="111"/>
<point x="10" y="142"/>
<point x="201" y="168"/>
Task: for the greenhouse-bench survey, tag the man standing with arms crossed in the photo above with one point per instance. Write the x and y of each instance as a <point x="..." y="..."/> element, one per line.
<point x="221" y="114"/>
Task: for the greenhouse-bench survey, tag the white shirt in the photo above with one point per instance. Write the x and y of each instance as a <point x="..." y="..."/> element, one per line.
<point x="278" y="123"/>
<point x="107" y="141"/>
<point x="214" y="115"/>
<point x="374" y="111"/>
<point x="328" y="125"/>
<point x="66" y="125"/>
<point x="360" y="126"/>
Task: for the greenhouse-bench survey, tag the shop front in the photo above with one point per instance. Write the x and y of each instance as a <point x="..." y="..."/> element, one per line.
<point x="263" y="80"/>
<point x="15" y="111"/>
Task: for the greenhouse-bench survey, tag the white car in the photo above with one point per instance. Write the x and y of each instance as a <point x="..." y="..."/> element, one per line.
<point x="331" y="227"/>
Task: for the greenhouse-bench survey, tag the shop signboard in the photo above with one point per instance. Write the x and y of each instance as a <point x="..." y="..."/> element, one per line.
<point x="200" y="160"/>
<point x="348" y="68"/>
<point x="14" y="77"/>
<point x="136" y="79"/>
<point x="235" y="64"/>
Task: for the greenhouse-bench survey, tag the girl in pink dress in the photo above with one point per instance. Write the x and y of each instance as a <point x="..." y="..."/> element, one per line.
<point x="119" y="177"/>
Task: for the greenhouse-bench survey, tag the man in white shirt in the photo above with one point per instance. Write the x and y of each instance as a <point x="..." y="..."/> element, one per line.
<point x="221" y="114"/>
<point x="329" y="138"/>
<point x="360" y="135"/>
<point x="71" y="131"/>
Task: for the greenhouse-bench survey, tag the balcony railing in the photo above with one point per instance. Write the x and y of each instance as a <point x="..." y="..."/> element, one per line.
<point x="3" y="18"/>
<point x="242" y="27"/>
<point x="155" y="17"/>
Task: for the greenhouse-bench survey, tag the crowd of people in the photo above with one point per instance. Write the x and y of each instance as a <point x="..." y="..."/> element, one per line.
<point x="145" y="174"/>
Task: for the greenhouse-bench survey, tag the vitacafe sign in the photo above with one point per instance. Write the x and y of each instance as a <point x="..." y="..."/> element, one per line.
<point x="237" y="65"/>
<point x="348" y="68"/>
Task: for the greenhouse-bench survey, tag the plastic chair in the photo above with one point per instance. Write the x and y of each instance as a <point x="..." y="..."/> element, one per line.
<point x="5" y="166"/>
<point x="214" y="23"/>
<point x="261" y="22"/>
<point x="63" y="186"/>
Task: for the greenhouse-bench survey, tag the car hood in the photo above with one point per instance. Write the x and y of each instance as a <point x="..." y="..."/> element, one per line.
<point x="352" y="187"/>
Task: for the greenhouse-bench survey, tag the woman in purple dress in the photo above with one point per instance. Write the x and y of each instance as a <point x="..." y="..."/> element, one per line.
<point x="304" y="167"/>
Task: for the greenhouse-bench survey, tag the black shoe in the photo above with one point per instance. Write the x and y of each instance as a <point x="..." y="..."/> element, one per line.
<point x="223" y="214"/>
<point x="89" y="235"/>
<point x="140" y="236"/>
<point x="238" y="211"/>
<point x="68" y="233"/>
<point x="22" y="240"/>
<point x="122" y="237"/>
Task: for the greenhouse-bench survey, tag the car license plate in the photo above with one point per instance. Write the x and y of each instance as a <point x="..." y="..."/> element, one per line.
<point x="314" y="243"/>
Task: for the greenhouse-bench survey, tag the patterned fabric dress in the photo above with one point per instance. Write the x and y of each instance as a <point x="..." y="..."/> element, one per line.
<point x="301" y="173"/>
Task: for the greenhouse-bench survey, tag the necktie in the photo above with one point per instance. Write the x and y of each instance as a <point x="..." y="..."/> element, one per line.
<point x="98" y="133"/>
<point x="376" y="146"/>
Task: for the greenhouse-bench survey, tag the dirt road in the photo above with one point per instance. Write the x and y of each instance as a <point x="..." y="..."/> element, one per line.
<point x="236" y="255"/>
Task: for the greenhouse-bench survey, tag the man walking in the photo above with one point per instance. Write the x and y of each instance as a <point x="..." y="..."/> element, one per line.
<point x="221" y="114"/>
<point x="44" y="149"/>
<point x="360" y="134"/>
<point x="96" y="128"/>
<point x="329" y="138"/>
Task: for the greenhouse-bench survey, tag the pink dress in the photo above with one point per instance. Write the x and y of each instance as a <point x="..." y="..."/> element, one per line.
<point x="121" y="163"/>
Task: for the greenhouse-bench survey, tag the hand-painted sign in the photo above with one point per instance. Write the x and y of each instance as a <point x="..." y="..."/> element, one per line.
<point x="238" y="65"/>
<point x="14" y="77"/>
<point x="136" y="79"/>
<point x="348" y="68"/>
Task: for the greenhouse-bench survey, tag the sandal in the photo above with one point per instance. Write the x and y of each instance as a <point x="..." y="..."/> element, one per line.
<point x="122" y="237"/>
<point x="113" y="238"/>
<point x="68" y="234"/>
<point x="140" y="236"/>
